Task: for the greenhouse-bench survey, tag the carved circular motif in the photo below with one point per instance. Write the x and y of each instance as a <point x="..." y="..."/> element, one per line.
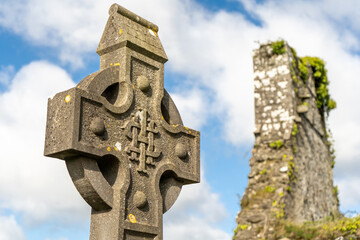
<point x="143" y="83"/>
<point x="181" y="150"/>
<point x="97" y="126"/>
<point x="140" y="199"/>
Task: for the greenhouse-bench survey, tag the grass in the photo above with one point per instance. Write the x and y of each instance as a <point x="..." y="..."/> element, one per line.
<point x="320" y="230"/>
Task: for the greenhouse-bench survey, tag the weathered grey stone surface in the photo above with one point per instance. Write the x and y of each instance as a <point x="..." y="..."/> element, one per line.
<point x="291" y="175"/>
<point x="121" y="135"/>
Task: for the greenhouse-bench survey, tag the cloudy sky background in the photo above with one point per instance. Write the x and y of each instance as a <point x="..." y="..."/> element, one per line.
<point x="49" y="46"/>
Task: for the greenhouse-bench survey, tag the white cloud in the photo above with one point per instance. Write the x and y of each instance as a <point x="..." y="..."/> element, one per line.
<point x="192" y="106"/>
<point x="9" y="229"/>
<point x="6" y="73"/>
<point x="35" y="186"/>
<point x="349" y="193"/>
<point x="199" y="200"/>
<point x="195" y="215"/>
<point x="193" y="228"/>
<point x="72" y="26"/>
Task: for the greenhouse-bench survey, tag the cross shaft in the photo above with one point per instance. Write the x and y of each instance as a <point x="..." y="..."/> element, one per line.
<point x="121" y="135"/>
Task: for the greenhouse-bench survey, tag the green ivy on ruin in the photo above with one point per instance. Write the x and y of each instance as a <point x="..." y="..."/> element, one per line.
<point x="324" y="101"/>
<point x="319" y="73"/>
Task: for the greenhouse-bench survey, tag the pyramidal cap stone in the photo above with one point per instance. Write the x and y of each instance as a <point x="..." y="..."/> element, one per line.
<point x="121" y="135"/>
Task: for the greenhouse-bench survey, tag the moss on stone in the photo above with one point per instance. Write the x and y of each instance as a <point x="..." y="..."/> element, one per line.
<point x="260" y="195"/>
<point x="295" y="130"/>
<point x="305" y="104"/>
<point x="278" y="47"/>
<point x="240" y="227"/>
<point x="269" y="189"/>
<point x="276" y="144"/>
<point x="280" y="213"/>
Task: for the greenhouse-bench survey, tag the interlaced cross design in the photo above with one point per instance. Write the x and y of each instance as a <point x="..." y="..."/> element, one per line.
<point x="137" y="149"/>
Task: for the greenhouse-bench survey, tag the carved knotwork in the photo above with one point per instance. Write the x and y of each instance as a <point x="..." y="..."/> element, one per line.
<point x="141" y="129"/>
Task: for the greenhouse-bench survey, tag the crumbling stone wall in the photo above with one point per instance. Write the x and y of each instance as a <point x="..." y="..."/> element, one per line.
<point x="291" y="165"/>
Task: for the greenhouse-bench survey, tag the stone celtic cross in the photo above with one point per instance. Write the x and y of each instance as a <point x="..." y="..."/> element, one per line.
<point x="121" y="136"/>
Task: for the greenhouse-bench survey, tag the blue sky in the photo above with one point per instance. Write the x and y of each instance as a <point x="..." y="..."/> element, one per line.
<point x="49" y="46"/>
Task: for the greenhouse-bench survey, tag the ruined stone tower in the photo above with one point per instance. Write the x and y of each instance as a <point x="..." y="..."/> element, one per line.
<point x="291" y="163"/>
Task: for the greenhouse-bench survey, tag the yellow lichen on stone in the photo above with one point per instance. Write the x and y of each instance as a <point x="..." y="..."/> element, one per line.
<point x="154" y="32"/>
<point x="67" y="98"/>
<point x="132" y="218"/>
<point x="243" y="227"/>
<point x="109" y="149"/>
<point x="264" y="171"/>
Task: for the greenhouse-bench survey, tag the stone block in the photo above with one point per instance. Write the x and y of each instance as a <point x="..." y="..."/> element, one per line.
<point x="302" y="108"/>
